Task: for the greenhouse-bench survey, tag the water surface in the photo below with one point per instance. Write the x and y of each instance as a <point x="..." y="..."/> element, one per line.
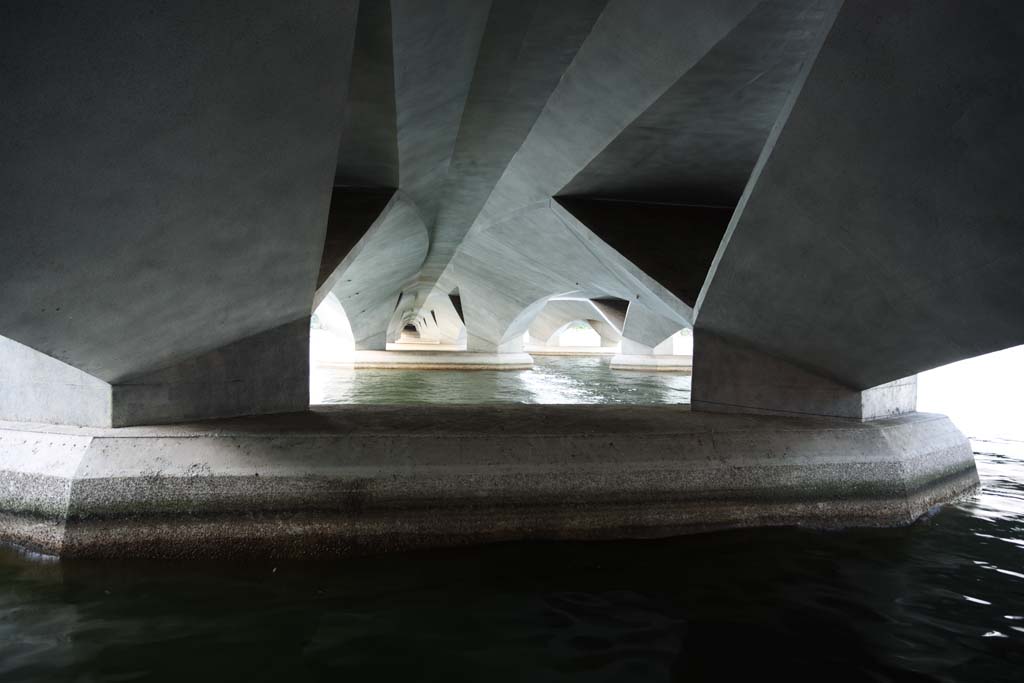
<point x="553" y="379"/>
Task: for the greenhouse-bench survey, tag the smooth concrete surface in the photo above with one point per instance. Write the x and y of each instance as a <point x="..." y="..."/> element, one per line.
<point x="880" y="235"/>
<point x="441" y="360"/>
<point x="37" y="388"/>
<point x="558" y="313"/>
<point x="545" y="350"/>
<point x="265" y="373"/>
<point x="364" y="479"/>
<point x="731" y="377"/>
<point x="418" y="346"/>
<point x="658" y="363"/>
<point x="167" y="172"/>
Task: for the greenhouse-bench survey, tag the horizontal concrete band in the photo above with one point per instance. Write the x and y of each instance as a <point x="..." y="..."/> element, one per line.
<point x="659" y="363"/>
<point x="362" y="479"/>
<point x="570" y="351"/>
<point x="441" y="360"/>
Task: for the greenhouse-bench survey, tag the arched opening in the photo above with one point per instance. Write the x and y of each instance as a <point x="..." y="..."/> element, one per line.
<point x="577" y="334"/>
<point x="410" y="334"/>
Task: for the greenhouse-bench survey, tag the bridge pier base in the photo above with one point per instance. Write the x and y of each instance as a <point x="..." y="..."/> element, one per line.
<point x="365" y="479"/>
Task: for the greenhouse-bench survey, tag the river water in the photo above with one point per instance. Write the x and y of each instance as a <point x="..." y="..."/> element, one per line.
<point x="941" y="600"/>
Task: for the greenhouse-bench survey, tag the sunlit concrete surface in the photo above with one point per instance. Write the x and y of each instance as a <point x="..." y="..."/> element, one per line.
<point x="657" y="363"/>
<point x="359" y="479"/>
<point x="441" y="360"/>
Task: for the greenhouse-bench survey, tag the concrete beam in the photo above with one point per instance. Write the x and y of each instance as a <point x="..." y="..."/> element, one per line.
<point x="880" y="234"/>
<point x="371" y="278"/>
<point x="167" y="174"/>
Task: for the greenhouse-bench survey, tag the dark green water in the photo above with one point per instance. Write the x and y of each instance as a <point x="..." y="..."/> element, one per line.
<point x="942" y="600"/>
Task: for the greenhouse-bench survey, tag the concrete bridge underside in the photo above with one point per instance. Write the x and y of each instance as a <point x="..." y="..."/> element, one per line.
<point x="825" y="192"/>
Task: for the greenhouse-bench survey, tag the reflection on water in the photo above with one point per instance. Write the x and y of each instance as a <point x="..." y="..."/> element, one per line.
<point x="553" y="379"/>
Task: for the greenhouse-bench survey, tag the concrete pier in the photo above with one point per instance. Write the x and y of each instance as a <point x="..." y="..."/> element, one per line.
<point x="657" y="363"/>
<point x="366" y="479"/>
<point x="441" y="360"/>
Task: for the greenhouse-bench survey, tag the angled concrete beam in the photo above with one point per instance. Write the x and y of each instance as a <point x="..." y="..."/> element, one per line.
<point x="526" y="47"/>
<point x="880" y="234"/>
<point x="507" y="273"/>
<point x="165" y="188"/>
<point x="372" y="277"/>
<point x="435" y="52"/>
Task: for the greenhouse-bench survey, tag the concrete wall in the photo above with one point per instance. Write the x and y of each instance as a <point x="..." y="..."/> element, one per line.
<point x="37" y="388"/>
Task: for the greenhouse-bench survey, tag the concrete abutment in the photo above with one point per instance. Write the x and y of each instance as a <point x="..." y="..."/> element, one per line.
<point x="367" y="479"/>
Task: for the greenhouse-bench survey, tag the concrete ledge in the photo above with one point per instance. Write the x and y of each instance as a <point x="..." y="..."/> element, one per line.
<point x="441" y="360"/>
<point x="571" y="350"/>
<point x="653" y="363"/>
<point x="363" y="479"/>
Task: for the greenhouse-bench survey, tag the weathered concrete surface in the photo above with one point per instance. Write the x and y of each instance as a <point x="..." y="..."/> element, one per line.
<point x="731" y="377"/>
<point x="375" y="478"/>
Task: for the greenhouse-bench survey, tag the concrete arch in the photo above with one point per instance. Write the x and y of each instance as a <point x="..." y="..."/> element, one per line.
<point x="558" y="314"/>
<point x="508" y="272"/>
<point x="370" y="280"/>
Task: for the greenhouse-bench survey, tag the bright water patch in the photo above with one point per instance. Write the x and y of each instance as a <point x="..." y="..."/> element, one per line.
<point x="553" y="379"/>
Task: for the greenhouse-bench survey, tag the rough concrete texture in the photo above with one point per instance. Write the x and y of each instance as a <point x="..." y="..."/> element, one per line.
<point x="731" y="377"/>
<point x="374" y="478"/>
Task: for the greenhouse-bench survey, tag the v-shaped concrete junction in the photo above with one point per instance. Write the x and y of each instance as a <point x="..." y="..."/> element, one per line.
<point x="826" y="192"/>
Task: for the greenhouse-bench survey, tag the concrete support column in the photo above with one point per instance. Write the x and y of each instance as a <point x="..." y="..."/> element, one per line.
<point x="265" y="373"/>
<point x="647" y="342"/>
<point x="732" y="378"/>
